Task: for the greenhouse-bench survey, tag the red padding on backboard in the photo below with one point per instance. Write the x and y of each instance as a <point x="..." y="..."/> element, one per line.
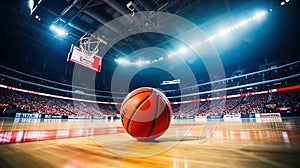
<point x="97" y="63"/>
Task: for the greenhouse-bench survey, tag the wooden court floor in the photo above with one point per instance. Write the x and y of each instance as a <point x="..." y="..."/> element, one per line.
<point x="186" y="144"/>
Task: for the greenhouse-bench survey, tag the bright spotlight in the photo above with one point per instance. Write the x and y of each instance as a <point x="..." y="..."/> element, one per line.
<point x="30" y="4"/>
<point x="153" y="61"/>
<point x="142" y="62"/>
<point x="147" y="62"/>
<point x="125" y="61"/>
<point x="259" y="15"/>
<point x="182" y="50"/>
<point x="52" y="27"/>
<point x="62" y="32"/>
<point x="282" y="3"/>
<point x="37" y="17"/>
<point x="242" y="23"/>
<point x="118" y="60"/>
<point x="33" y="5"/>
<point x="287" y="1"/>
<point x="212" y="37"/>
<point x="256" y="16"/>
<point x="122" y="61"/>
<point x="235" y="26"/>
<point x="171" y="54"/>
<point x="139" y="63"/>
<point x="223" y="32"/>
<point x="59" y="31"/>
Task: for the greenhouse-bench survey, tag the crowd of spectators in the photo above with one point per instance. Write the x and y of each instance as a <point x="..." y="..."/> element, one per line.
<point x="22" y="80"/>
<point x="23" y="102"/>
<point x="287" y="99"/>
<point x="242" y="105"/>
<point x="29" y="103"/>
<point x="251" y="104"/>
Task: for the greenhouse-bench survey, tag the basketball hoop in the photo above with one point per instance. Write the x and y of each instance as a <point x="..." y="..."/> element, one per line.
<point x="89" y="47"/>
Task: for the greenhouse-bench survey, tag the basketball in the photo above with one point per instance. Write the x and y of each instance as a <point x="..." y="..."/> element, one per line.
<point x="146" y="113"/>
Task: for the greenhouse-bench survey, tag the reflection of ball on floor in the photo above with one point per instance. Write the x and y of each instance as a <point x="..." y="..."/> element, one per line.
<point x="146" y="113"/>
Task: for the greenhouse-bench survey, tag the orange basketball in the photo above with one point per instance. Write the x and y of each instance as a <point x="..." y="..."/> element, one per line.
<point x="146" y="113"/>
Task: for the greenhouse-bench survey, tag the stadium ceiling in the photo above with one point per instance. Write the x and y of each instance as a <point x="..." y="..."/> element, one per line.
<point x="82" y="17"/>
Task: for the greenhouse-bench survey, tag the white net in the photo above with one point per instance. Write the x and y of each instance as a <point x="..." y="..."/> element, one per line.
<point x="88" y="47"/>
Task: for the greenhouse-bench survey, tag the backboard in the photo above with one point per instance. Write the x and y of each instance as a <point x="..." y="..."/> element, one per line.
<point x="76" y="55"/>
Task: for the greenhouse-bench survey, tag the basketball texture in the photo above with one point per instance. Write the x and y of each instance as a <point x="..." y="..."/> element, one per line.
<point x="146" y="113"/>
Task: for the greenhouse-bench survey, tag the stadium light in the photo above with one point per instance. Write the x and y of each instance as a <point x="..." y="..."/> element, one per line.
<point x="257" y="16"/>
<point x="160" y="58"/>
<point x="171" y="54"/>
<point x="120" y="60"/>
<point x="212" y="37"/>
<point x="282" y="3"/>
<point x="147" y="62"/>
<point x="139" y="63"/>
<point x="59" y="31"/>
<point x="182" y="50"/>
<point x="37" y="17"/>
<point x="242" y="23"/>
<point x="223" y="32"/>
<point x="124" y="61"/>
<point x="33" y="5"/>
<point x="117" y="60"/>
<point x="142" y="62"/>
<point x="30" y="4"/>
<point x="287" y="1"/>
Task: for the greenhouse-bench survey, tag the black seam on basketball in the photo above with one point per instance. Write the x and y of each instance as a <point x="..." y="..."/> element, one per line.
<point x="155" y="116"/>
<point x="166" y="101"/>
<point x="133" y="96"/>
<point x="169" y="115"/>
<point x="167" y="107"/>
<point x="132" y="114"/>
<point x="169" y="112"/>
